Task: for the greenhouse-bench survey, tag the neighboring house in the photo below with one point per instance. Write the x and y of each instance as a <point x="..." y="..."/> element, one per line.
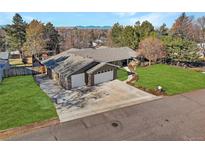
<point x="118" y="56"/>
<point x="46" y="54"/>
<point x="4" y="63"/>
<point x="201" y="47"/>
<point x="15" y="54"/>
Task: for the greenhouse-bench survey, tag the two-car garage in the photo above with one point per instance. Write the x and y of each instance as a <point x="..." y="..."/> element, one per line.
<point x="102" y="72"/>
<point x="103" y="77"/>
<point x="79" y="80"/>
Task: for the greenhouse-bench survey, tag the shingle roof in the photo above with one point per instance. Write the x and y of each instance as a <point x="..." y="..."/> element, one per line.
<point x="70" y="61"/>
<point x="105" y="54"/>
<point x="99" y="66"/>
<point x="4" y="55"/>
<point x="66" y="63"/>
<point x="15" y="52"/>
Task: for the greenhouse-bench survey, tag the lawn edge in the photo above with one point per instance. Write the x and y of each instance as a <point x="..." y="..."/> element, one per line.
<point x="4" y="134"/>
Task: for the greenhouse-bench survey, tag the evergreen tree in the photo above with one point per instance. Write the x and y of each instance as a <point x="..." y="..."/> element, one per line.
<point x="130" y="37"/>
<point x="117" y="34"/>
<point x="146" y="29"/>
<point x="163" y="30"/>
<point x="179" y="49"/>
<point x="16" y="33"/>
<point x="2" y="44"/>
<point x="52" y="37"/>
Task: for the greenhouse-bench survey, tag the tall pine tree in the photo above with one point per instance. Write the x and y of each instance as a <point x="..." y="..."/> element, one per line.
<point x="2" y="41"/>
<point x="146" y="29"/>
<point x="52" y="38"/>
<point x="16" y="33"/>
<point x="117" y="34"/>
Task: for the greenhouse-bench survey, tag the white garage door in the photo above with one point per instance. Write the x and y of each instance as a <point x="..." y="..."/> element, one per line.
<point x="103" y="77"/>
<point x="78" y="80"/>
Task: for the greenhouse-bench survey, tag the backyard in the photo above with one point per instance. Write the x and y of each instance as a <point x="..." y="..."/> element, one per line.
<point x="22" y="102"/>
<point x="173" y="80"/>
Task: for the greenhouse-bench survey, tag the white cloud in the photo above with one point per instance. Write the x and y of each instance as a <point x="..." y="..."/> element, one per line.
<point x="155" y="18"/>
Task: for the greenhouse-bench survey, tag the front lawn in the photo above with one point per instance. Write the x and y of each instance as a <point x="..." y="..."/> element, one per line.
<point x="122" y="74"/>
<point x="173" y="79"/>
<point x="23" y="102"/>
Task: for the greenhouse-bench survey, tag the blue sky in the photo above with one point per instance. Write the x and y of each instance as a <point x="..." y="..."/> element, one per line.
<point x="97" y="19"/>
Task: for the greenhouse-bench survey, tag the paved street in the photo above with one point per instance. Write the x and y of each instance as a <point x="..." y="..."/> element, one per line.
<point x="180" y="117"/>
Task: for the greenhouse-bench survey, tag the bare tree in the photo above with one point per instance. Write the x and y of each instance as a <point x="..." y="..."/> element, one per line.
<point x="200" y="31"/>
<point x="109" y="41"/>
<point x="152" y="49"/>
<point x="35" y="38"/>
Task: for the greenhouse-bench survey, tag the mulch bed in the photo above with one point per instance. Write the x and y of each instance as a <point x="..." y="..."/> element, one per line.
<point x="151" y="91"/>
<point x="4" y="134"/>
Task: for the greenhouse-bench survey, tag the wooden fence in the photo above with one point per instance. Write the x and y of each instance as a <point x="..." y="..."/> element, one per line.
<point x="1" y="74"/>
<point x="17" y="71"/>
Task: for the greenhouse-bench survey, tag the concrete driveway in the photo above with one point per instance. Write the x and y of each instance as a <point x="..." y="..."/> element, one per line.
<point x="85" y="101"/>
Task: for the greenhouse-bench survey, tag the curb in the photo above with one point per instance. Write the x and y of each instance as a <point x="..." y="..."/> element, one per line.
<point x="4" y="134"/>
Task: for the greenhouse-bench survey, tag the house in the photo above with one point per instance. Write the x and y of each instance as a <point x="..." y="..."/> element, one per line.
<point x="4" y="63"/>
<point x="79" y="67"/>
<point x="201" y="47"/>
<point x="72" y="71"/>
<point x="15" y="54"/>
<point x="118" y="56"/>
<point x="47" y="53"/>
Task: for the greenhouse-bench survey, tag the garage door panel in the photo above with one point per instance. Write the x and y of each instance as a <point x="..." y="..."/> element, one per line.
<point x="78" y="80"/>
<point x="103" y="77"/>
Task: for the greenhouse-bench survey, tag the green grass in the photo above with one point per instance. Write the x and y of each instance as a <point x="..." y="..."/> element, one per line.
<point x="23" y="102"/>
<point x="173" y="79"/>
<point x="122" y="74"/>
